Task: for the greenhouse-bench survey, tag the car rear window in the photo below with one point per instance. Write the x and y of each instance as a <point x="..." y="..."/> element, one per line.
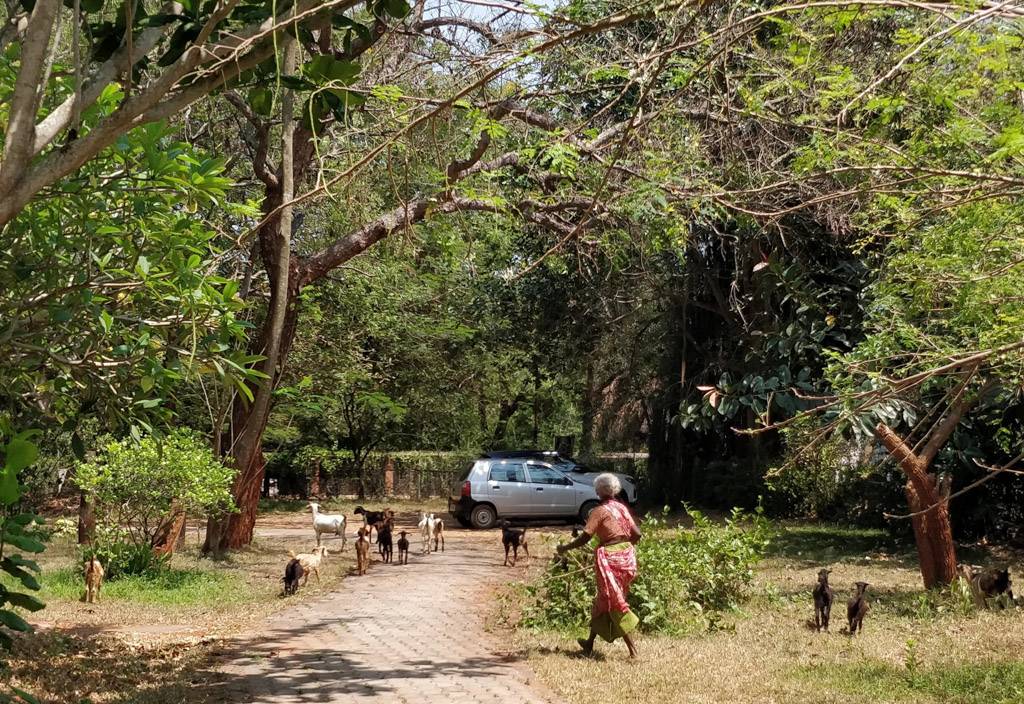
<point x="469" y="471"/>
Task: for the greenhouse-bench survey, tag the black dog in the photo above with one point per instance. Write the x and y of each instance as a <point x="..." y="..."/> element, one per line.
<point x="822" y="601"/>
<point x="384" y="544"/>
<point x="292" y="574"/>
<point x="856" y="608"/>
<point x="991" y="584"/>
<point x="513" y="538"/>
<point x="403" y="549"/>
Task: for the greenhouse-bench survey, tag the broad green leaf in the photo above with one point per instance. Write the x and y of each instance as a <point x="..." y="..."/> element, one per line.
<point x="26" y="696"/>
<point x="261" y="100"/>
<point x="23" y="542"/>
<point x="324" y="69"/>
<point x="25" y="601"/>
<point x="14" y="621"/>
<point x="19" y="454"/>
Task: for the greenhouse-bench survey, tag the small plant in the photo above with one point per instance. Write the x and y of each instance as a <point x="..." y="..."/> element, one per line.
<point x="911" y="662"/>
<point x="684" y="575"/>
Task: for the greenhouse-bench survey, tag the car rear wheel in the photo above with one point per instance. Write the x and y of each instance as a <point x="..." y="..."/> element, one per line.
<point x="483" y="516"/>
<point x="586" y="508"/>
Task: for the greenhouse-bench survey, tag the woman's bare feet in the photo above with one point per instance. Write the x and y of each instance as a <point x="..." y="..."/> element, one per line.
<point x="631" y="646"/>
<point x="586" y="645"/>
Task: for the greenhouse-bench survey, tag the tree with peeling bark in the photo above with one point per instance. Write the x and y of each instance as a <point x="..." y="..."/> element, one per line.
<point x="918" y="374"/>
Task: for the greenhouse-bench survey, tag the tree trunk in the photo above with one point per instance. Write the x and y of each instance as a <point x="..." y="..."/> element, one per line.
<point x="168" y="537"/>
<point x="506" y="410"/>
<point x="669" y="463"/>
<point x="933" y="532"/>
<point x="314" y="480"/>
<point x="587" y="411"/>
<point x="86" y="520"/>
<point x="250" y="420"/>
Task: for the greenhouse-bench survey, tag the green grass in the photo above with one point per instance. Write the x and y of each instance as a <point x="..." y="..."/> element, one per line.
<point x="283" y="505"/>
<point x="825" y="543"/>
<point x="975" y="683"/>
<point x="169" y="587"/>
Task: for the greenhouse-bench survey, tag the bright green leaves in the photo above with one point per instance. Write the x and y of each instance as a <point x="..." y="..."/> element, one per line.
<point x="137" y="483"/>
<point x="119" y="259"/>
<point x="561" y="158"/>
<point x="1009" y="143"/>
<point x="18" y="531"/>
<point x="326" y="79"/>
<point x="19" y="453"/>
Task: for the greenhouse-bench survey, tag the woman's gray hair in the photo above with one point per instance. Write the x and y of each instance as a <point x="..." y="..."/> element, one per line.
<point x="607" y="485"/>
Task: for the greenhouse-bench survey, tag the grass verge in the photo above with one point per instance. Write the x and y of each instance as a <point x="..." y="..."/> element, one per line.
<point x="989" y="682"/>
<point x="918" y="647"/>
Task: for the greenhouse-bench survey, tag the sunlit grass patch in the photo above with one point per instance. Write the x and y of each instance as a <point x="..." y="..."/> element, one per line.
<point x="964" y="683"/>
<point x="169" y="587"/>
<point x="826" y="542"/>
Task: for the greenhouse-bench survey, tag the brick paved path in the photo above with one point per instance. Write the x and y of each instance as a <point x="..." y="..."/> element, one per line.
<point x="399" y="634"/>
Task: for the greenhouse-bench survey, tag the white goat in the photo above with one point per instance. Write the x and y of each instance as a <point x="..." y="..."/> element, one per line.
<point x="426" y="527"/>
<point x="310" y="562"/>
<point x="328" y="523"/>
<point x="438" y="532"/>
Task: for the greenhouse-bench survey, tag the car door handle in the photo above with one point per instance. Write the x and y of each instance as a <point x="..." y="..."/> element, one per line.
<point x="540" y="488"/>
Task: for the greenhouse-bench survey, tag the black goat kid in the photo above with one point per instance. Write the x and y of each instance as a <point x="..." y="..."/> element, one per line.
<point x="822" y="601"/>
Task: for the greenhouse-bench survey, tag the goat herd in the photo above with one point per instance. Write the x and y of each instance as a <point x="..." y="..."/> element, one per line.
<point x="984" y="584"/>
<point x="299" y="566"/>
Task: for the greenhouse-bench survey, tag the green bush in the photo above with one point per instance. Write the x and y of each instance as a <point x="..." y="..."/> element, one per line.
<point x="138" y="487"/>
<point x="683" y="574"/>
<point x="126" y="559"/>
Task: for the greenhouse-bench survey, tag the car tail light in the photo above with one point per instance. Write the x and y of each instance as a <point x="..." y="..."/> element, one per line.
<point x="465" y="489"/>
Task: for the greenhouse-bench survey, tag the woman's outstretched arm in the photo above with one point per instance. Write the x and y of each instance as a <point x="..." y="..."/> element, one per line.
<point x="578" y="542"/>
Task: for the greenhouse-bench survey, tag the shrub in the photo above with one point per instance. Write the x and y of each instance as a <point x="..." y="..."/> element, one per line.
<point x="138" y="487"/>
<point x="126" y="559"/>
<point x="683" y="574"/>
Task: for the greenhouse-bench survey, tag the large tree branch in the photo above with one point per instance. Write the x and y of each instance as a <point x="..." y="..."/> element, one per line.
<point x="21" y="124"/>
<point x="436" y="22"/>
<point x="60" y="118"/>
<point x="961" y="404"/>
<point x="158" y="100"/>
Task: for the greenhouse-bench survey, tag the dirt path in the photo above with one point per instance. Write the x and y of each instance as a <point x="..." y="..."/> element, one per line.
<point x="410" y="633"/>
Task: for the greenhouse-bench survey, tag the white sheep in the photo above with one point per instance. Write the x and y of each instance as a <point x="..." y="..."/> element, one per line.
<point x="328" y="523"/>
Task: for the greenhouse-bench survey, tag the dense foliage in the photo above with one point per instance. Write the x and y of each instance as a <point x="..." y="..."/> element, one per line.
<point x="685" y="576"/>
<point x="137" y="487"/>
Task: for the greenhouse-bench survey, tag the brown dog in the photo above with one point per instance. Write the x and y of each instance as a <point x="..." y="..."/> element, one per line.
<point x="93" y="581"/>
<point x="362" y="552"/>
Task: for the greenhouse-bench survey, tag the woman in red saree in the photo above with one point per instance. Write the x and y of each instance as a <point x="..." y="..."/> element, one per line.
<point x="614" y="565"/>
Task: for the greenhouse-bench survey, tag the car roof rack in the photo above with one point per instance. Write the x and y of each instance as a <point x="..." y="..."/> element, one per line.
<point x="519" y="454"/>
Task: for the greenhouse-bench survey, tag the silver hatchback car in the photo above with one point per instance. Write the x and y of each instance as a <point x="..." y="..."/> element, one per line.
<point x="519" y="488"/>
